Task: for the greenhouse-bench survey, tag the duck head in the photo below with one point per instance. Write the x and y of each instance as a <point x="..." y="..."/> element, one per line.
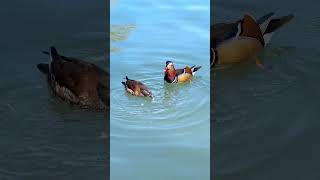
<point x="169" y="72"/>
<point x="169" y="67"/>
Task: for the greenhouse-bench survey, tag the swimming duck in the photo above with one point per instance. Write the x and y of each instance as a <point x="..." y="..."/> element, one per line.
<point x="136" y="88"/>
<point x="76" y="81"/>
<point x="172" y="75"/>
<point x="243" y="39"/>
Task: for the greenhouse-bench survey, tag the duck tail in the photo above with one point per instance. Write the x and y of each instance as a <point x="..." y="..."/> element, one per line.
<point x="194" y="69"/>
<point x="46" y="52"/>
<point x="264" y="21"/>
<point x="125" y="82"/>
<point x="53" y="53"/>
<point x="265" y="18"/>
<point x="275" y="24"/>
<point x="146" y="92"/>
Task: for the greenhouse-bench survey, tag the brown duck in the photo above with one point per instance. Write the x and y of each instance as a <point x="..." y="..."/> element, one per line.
<point x="77" y="82"/>
<point x="172" y="75"/>
<point x="136" y="88"/>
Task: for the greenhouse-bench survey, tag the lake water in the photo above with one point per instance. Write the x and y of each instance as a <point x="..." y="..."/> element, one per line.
<point x="41" y="137"/>
<point x="168" y="137"/>
<point x="266" y="125"/>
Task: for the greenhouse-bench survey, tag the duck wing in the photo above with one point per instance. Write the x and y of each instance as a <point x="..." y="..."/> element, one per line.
<point x="275" y="24"/>
<point x="250" y="28"/>
<point x="132" y="84"/>
<point x="221" y="32"/>
<point x="135" y="85"/>
<point x="145" y="90"/>
<point x="180" y="71"/>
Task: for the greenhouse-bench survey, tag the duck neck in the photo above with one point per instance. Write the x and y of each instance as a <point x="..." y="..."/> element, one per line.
<point x="171" y="75"/>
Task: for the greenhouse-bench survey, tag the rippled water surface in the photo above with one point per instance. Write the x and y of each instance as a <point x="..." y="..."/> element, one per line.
<point x="42" y="137"/>
<point x="266" y="125"/>
<point x="167" y="137"/>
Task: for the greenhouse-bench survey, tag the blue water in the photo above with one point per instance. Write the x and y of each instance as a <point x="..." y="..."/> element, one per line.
<point x="168" y="137"/>
<point x="42" y="137"/>
<point x="266" y="124"/>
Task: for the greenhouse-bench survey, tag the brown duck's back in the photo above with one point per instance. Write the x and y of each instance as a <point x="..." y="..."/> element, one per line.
<point x="133" y="85"/>
<point x="137" y="88"/>
<point x="78" y="76"/>
<point x="76" y="81"/>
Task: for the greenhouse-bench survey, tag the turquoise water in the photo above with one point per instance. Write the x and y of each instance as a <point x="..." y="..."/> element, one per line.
<point x="168" y="137"/>
<point x="266" y="125"/>
<point x="42" y="137"/>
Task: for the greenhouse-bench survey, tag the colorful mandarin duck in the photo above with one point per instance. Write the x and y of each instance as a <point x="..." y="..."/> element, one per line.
<point x="172" y="75"/>
<point x="244" y="39"/>
<point x="136" y="88"/>
<point x="76" y="81"/>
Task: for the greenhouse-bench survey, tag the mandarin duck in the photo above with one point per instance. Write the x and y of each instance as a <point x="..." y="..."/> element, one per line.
<point x="76" y="81"/>
<point x="172" y="75"/>
<point x="243" y="39"/>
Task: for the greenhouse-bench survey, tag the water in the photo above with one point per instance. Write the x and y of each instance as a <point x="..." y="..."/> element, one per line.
<point x="266" y="124"/>
<point x="168" y="137"/>
<point x="41" y="137"/>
